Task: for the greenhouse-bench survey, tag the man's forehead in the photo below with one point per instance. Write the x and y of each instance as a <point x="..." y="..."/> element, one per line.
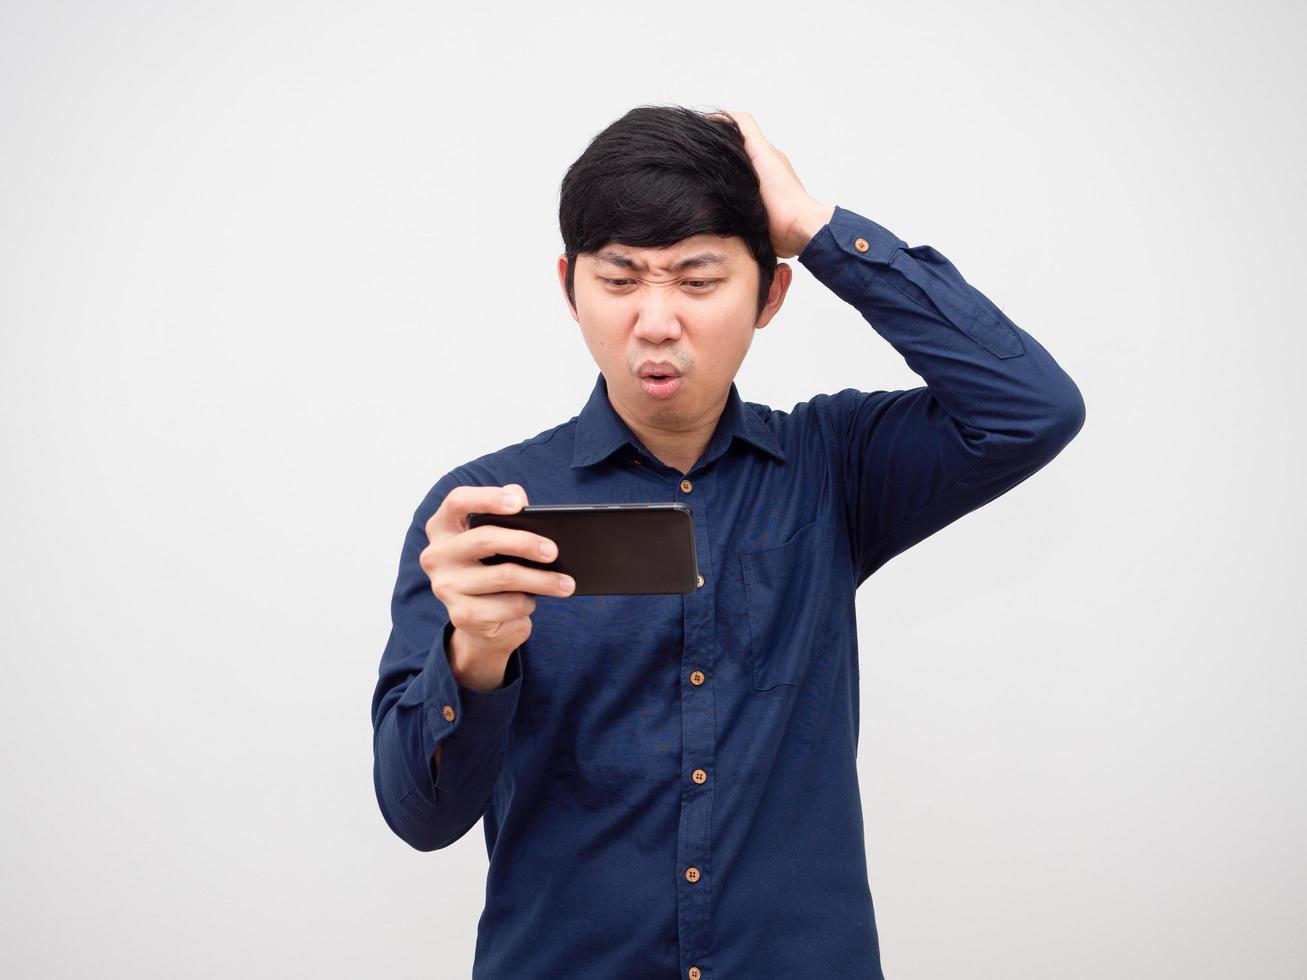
<point x="696" y="252"/>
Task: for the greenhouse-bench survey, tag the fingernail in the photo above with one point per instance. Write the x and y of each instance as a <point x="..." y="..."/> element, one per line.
<point x="565" y="583"/>
<point x="546" y="549"/>
<point x="511" y="500"/>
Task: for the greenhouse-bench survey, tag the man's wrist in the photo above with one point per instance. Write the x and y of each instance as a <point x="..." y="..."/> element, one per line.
<point x="811" y="220"/>
<point x="469" y="670"/>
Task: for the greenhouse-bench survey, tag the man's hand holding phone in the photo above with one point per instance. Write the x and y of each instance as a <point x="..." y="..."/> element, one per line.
<point x="489" y="605"/>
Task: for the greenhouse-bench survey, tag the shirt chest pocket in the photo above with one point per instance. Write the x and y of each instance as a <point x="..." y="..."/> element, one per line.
<point x="786" y="591"/>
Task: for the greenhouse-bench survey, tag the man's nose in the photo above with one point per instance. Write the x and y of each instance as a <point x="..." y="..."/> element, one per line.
<point x="657" y="319"/>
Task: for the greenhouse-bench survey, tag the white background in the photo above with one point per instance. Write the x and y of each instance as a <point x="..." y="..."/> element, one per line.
<point x="267" y="270"/>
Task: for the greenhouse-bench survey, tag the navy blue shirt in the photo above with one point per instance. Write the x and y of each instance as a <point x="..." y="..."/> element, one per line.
<point x="668" y="783"/>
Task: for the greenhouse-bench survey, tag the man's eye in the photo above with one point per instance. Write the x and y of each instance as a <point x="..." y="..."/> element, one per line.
<point x="700" y="285"/>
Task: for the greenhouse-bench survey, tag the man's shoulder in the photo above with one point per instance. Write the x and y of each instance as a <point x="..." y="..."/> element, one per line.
<point x="824" y="422"/>
<point x="820" y="406"/>
<point x="507" y="464"/>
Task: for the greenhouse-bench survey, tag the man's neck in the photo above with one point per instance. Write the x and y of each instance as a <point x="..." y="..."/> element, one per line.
<point x="677" y="448"/>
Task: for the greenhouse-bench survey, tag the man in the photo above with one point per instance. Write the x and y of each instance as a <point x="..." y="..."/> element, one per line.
<point x="668" y="782"/>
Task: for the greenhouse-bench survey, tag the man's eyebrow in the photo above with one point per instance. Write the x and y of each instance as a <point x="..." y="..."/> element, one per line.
<point x="696" y="261"/>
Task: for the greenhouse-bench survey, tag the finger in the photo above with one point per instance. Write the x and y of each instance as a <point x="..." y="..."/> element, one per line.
<point x="481" y="612"/>
<point x="752" y="133"/>
<point x="488" y="539"/>
<point x="511" y="577"/>
<point x="451" y="516"/>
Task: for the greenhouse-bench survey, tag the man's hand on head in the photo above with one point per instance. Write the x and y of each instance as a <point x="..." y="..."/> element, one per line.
<point x="793" y="215"/>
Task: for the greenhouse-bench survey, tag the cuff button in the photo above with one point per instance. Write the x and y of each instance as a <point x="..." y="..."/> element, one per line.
<point x="861" y="244"/>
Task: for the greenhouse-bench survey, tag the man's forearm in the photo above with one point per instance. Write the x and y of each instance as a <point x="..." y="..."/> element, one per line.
<point x="470" y="674"/>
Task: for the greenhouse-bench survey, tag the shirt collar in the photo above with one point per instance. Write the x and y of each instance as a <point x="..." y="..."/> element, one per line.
<point x="600" y="431"/>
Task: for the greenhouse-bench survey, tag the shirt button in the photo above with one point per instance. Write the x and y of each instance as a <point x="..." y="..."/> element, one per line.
<point x="696" y="677"/>
<point x="861" y="244"/>
<point x="699" y="776"/>
<point x="448" y="712"/>
<point x="694" y="973"/>
<point x="700" y="582"/>
<point x="692" y="875"/>
<point x="686" y="486"/>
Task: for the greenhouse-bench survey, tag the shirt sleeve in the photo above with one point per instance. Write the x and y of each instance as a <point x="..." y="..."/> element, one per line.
<point x="417" y="704"/>
<point x="995" y="408"/>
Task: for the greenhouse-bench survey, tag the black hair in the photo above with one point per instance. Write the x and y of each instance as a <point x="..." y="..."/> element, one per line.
<point x="658" y="175"/>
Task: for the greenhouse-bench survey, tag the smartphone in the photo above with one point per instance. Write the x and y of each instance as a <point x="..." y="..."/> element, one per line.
<point x="610" y="549"/>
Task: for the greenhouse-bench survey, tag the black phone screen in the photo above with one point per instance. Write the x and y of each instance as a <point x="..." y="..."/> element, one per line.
<point x="610" y="549"/>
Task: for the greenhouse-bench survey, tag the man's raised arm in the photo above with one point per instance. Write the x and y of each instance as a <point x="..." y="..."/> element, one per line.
<point x="995" y="408"/>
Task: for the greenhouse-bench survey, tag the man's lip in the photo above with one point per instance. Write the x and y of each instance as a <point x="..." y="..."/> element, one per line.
<point x="664" y="388"/>
<point x="659" y="368"/>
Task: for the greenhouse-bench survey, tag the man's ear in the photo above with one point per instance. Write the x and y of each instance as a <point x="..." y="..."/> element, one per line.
<point x="780" y="284"/>
<point x="562" y="281"/>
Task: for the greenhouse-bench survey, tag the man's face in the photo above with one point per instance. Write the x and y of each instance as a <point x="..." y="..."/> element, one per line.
<point x="691" y="304"/>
